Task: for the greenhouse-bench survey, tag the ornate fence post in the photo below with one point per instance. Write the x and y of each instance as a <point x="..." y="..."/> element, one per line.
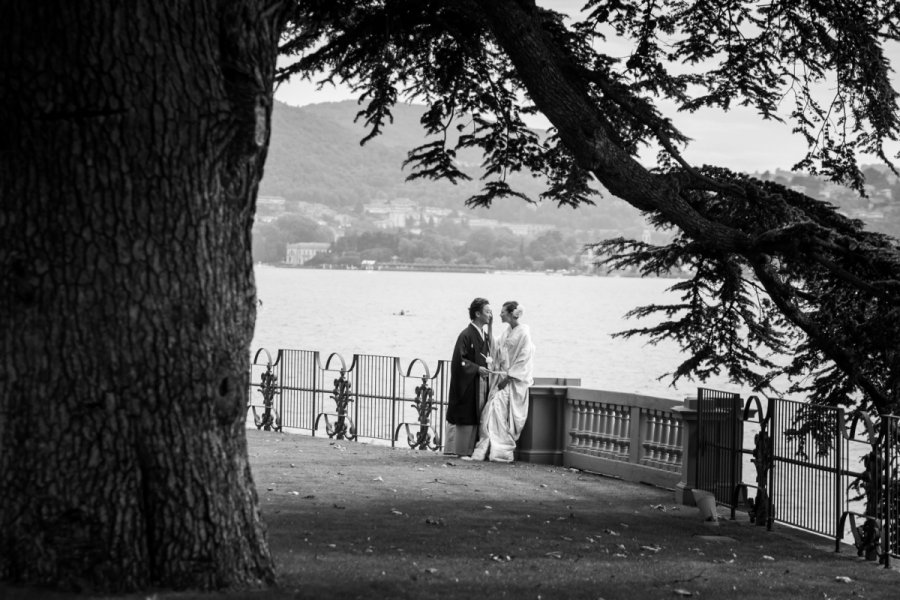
<point x="870" y="485"/>
<point x="424" y="404"/>
<point x="343" y="428"/>
<point x="426" y="438"/>
<point x="269" y="388"/>
<point x="763" y="458"/>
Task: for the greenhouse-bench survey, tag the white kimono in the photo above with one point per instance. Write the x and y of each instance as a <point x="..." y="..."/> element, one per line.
<point x="504" y="414"/>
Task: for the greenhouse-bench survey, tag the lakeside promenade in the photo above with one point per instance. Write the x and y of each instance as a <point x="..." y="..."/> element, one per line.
<point x="357" y="521"/>
<point x="352" y="520"/>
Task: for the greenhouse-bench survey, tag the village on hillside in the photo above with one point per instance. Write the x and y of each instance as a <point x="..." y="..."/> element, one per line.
<point x="403" y="234"/>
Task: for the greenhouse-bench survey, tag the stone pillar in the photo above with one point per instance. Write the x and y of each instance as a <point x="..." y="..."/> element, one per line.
<point x="688" y="415"/>
<point x="543" y="438"/>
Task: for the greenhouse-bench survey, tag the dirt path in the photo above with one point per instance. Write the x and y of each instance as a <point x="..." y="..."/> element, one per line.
<point x="348" y="520"/>
<point x="358" y="521"/>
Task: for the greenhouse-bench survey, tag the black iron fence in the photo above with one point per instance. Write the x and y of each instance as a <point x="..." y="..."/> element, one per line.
<point x="719" y="437"/>
<point x="808" y="467"/>
<point x="372" y="397"/>
<point x="891" y="429"/>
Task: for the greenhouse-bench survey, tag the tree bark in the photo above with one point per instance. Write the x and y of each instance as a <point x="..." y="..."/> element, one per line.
<point x="132" y="139"/>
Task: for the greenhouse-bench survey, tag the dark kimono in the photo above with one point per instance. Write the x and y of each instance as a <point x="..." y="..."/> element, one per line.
<point x="465" y="396"/>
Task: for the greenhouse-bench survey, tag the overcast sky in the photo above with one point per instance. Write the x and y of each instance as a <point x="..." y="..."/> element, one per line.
<point x="738" y="139"/>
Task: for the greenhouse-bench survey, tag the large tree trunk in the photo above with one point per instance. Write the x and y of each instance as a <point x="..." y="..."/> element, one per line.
<point x="132" y="138"/>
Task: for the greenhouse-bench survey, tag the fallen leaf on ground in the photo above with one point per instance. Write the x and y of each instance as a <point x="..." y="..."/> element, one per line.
<point x="843" y="579"/>
<point x="379" y="478"/>
<point x="397" y="512"/>
<point x="682" y="592"/>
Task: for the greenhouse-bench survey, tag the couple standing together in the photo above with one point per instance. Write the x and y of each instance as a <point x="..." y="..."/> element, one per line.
<point x="489" y="380"/>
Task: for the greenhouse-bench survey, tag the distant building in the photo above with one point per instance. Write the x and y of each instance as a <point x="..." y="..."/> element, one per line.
<point x="302" y="252"/>
<point x="392" y="213"/>
<point x="527" y="229"/>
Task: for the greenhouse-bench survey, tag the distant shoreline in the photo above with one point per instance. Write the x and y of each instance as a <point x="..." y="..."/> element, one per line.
<point x="394" y="267"/>
<point x="450" y="268"/>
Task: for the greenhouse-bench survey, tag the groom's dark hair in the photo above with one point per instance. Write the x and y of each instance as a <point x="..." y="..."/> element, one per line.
<point x="477" y="305"/>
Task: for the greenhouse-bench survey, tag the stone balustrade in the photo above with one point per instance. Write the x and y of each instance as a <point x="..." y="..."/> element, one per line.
<point x="635" y="437"/>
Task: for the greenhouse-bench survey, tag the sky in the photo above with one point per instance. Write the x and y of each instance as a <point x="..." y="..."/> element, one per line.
<point x="738" y="139"/>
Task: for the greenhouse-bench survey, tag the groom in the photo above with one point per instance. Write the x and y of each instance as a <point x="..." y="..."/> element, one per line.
<point x="468" y="381"/>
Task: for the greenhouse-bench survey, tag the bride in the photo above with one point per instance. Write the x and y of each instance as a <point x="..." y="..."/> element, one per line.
<point x="504" y="414"/>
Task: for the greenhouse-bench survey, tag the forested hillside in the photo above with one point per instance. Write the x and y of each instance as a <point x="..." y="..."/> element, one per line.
<point x="315" y="156"/>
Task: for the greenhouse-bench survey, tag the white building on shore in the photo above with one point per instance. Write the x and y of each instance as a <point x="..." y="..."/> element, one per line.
<point x="302" y="252"/>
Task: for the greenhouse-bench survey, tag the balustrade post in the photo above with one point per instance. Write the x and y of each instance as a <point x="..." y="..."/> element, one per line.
<point x="634" y="435"/>
<point x="605" y="430"/>
<point x="684" y="491"/>
<point x="543" y="437"/>
<point x="592" y="443"/>
<point x="580" y="418"/>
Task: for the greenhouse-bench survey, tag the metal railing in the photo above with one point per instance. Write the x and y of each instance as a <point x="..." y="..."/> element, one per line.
<point x="811" y="473"/>
<point x="876" y="526"/>
<point x="369" y="398"/>
<point x="719" y="441"/>
<point x="803" y="456"/>
<point x="891" y="429"/>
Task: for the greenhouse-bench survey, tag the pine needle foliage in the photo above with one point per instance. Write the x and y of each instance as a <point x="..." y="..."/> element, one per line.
<point x="782" y="285"/>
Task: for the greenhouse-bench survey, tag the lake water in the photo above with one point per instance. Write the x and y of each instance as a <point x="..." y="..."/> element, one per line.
<point x="571" y="320"/>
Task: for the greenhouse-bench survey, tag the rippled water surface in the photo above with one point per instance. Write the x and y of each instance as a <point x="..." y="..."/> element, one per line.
<point x="571" y="319"/>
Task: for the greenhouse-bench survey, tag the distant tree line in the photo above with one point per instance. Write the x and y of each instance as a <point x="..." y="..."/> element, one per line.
<point x="446" y="242"/>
